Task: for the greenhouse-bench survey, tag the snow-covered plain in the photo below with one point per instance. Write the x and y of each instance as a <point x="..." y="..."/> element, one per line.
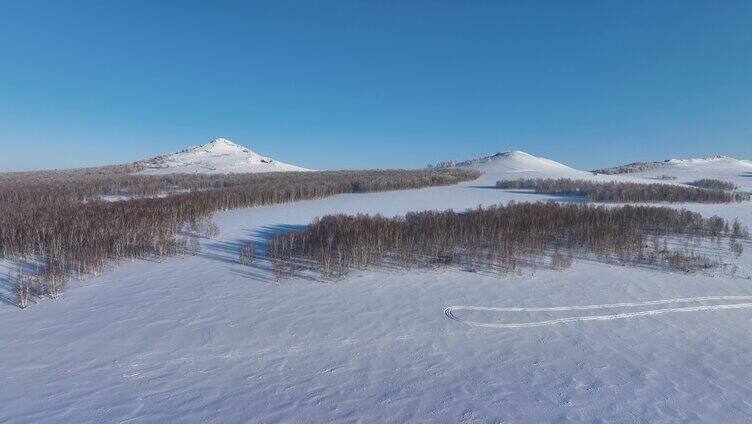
<point x="204" y="339"/>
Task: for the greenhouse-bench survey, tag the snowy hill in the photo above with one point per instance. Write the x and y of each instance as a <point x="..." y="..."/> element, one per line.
<point x="517" y="164"/>
<point x="219" y="156"/>
<point x="718" y="163"/>
<point x="686" y="170"/>
<point x="517" y="161"/>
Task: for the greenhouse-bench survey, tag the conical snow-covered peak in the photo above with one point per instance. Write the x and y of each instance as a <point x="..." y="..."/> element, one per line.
<point x="218" y="156"/>
<point x="511" y="154"/>
<point x="223" y="143"/>
<point x="517" y="153"/>
<point x="220" y="145"/>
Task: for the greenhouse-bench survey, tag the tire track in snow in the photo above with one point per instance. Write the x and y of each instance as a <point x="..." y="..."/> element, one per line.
<point x="450" y="311"/>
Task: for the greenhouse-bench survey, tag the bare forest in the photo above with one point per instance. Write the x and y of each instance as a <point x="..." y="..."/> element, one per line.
<point x="626" y="192"/>
<point x="629" y="168"/>
<point x="87" y="184"/>
<point x="58" y="226"/>
<point x="504" y="238"/>
<point x="714" y="184"/>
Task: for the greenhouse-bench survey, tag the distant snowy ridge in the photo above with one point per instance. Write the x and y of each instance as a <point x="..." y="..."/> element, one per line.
<point x="719" y="162"/>
<point x="218" y="156"/>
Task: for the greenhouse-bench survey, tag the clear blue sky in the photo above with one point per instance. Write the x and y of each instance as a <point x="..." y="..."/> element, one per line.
<point x="333" y="84"/>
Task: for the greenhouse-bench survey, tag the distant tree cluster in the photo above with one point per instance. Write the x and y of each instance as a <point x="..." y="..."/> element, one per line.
<point x="45" y="221"/>
<point x="452" y="163"/>
<point x="446" y="164"/>
<point x="714" y="184"/>
<point x="629" y="168"/>
<point x="626" y="192"/>
<point x="498" y="239"/>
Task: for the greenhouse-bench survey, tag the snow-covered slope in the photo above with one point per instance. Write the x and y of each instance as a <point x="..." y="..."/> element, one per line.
<point x="218" y="156"/>
<point x="714" y="163"/>
<point x="687" y="170"/>
<point x="721" y="167"/>
<point x="720" y="161"/>
<point x="517" y="164"/>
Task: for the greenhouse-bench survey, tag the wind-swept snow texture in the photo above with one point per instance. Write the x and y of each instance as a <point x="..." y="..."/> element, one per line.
<point x="205" y="339"/>
<point x="218" y="156"/>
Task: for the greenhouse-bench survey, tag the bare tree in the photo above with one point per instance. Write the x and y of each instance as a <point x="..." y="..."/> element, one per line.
<point x="247" y="254"/>
<point x="736" y="247"/>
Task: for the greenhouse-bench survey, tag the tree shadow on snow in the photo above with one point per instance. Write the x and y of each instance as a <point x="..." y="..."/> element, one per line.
<point x="8" y="280"/>
<point x="483" y="186"/>
<point x="540" y="196"/>
<point x="228" y="252"/>
<point x="7" y="290"/>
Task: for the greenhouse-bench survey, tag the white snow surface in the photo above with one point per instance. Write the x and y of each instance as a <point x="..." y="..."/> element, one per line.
<point x="218" y="156"/>
<point x="205" y="339"/>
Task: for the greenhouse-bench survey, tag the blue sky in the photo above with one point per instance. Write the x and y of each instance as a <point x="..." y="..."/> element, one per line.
<point x="355" y="84"/>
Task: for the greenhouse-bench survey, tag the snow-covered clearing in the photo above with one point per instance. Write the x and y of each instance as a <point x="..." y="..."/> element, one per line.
<point x="205" y="339"/>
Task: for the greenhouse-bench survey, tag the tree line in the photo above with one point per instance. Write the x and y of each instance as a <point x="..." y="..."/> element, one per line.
<point x="626" y="192"/>
<point x="629" y="168"/>
<point x="87" y="184"/>
<point x="499" y="239"/>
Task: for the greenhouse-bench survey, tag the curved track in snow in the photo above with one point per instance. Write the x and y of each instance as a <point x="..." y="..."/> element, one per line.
<point x="450" y="311"/>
